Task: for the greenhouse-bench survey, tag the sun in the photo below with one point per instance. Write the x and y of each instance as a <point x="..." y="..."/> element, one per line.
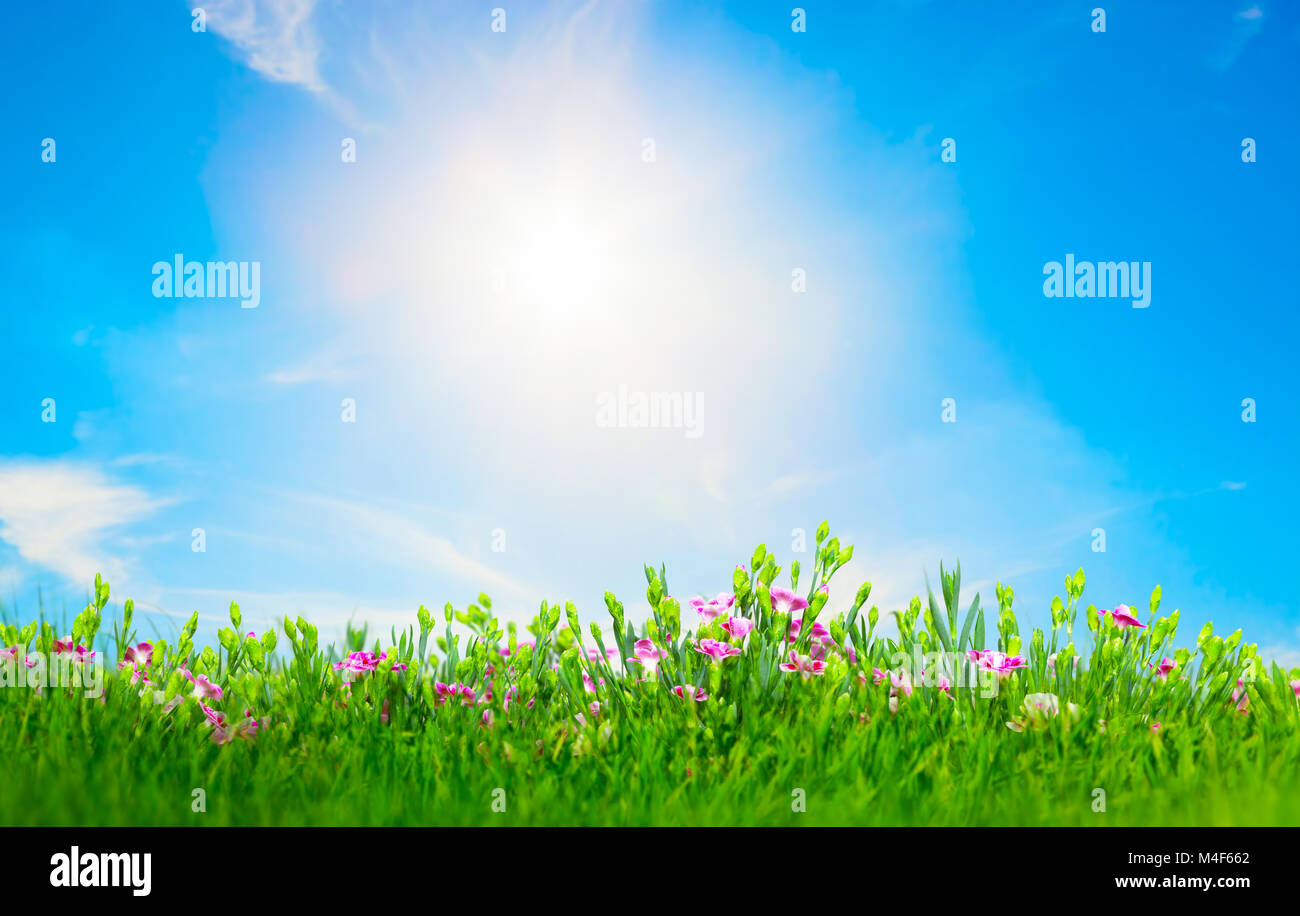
<point x="558" y="258"/>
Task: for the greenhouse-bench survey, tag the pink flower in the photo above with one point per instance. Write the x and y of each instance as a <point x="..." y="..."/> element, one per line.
<point x="900" y="682"/>
<point x="250" y="726"/>
<point x="804" y="665"/>
<point x="359" y="663"/>
<point x="877" y="676"/>
<point x="1295" y="685"/>
<point x="1241" y="698"/>
<point x="204" y="689"/>
<point x="65" y="646"/>
<point x="785" y="601"/>
<point x="224" y="733"/>
<point x="1166" y="665"/>
<point x="648" y="655"/>
<point x="820" y="636"/>
<point x="999" y="663"/>
<point x="738" y="627"/>
<point x="216" y="719"/>
<point x="713" y="608"/>
<point x="716" y="649"/>
<point x="511" y="696"/>
<point x="1123" y="617"/>
<point x="140" y="655"/>
<point x="699" y="695"/>
<point x="10" y="654"/>
<point x="160" y="698"/>
<point x="451" y="691"/>
<point x="1156" y="727"/>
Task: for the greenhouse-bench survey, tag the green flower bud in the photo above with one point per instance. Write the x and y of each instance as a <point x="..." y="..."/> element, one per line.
<point x="175" y="684"/>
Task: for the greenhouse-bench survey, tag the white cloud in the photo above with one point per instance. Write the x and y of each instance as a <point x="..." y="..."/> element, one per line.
<point x="322" y="366"/>
<point x="266" y="609"/>
<point x="1286" y="656"/>
<point x="274" y="37"/>
<point x="396" y="537"/>
<point x="57" y="514"/>
<point x="1246" y="24"/>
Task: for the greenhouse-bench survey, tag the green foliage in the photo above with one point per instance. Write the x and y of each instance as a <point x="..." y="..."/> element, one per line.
<point x="893" y="724"/>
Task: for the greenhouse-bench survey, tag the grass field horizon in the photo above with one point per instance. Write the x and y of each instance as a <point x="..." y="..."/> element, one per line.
<point x="753" y="707"/>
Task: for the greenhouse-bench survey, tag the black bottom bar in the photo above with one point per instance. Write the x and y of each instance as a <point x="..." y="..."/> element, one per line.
<point x="315" y="865"/>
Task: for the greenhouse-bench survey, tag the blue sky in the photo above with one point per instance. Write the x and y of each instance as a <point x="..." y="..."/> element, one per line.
<point x="501" y="252"/>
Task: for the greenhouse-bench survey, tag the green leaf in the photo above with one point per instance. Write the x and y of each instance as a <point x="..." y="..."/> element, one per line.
<point x="966" y="627"/>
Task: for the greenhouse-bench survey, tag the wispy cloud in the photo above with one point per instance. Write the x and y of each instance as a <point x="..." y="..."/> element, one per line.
<point x="1286" y="656"/>
<point x="322" y="366"/>
<point x="274" y="37"/>
<point x="58" y="515"/>
<point x="1246" y="24"/>
<point x="396" y="537"/>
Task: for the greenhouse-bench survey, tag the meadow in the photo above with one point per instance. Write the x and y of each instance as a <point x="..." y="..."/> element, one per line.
<point x="754" y="706"/>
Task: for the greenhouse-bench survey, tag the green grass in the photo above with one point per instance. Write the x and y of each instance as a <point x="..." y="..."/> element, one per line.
<point x="764" y="744"/>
